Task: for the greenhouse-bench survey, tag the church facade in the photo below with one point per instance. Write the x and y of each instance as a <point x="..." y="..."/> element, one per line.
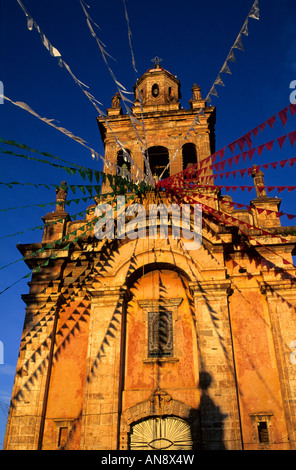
<point x="141" y="344"/>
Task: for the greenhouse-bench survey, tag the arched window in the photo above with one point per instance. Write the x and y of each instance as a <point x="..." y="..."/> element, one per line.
<point x="161" y="433"/>
<point x="158" y="160"/>
<point x="155" y="90"/>
<point x="189" y="155"/>
<point x="122" y="160"/>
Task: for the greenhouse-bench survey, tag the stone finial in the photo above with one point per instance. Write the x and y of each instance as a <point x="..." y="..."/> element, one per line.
<point x="61" y="196"/>
<point x="259" y="182"/>
<point x="116" y="101"/>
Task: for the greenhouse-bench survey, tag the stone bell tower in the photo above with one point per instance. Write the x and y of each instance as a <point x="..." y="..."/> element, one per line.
<point x="139" y="343"/>
<point x="160" y="126"/>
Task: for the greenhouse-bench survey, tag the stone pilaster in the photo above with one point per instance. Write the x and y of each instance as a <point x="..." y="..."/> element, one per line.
<point x="219" y="410"/>
<point x="102" y="400"/>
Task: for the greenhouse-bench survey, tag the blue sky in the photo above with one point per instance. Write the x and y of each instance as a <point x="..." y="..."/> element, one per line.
<point x="192" y="37"/>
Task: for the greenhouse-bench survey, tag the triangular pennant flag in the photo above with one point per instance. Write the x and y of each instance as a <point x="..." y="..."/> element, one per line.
<point x="244" y="29"/>
<point x="236" y="158"/>
<point x="274" y="165"/>
<point x="242" y="172"/>
<point x="292" y="108"/>
<point x="231" y="56"/>
<point x="232" y="146"/>
<point x="227" y="174"/>
<point x="260" y="149"/>
<point x="226" y="69"/>
<point x="290" y="216"/>
<point x="283" y="116"/>
<point x="234" y="172"/>
<point x="241" y="143"/>
<point x="238" y="43"/>
<point x="251" y="153"/>
<point x="223" y="165"/>
<point x="265" y="166"/>
<point x="269" y="145"/>
<point x="255" y="131"/>
<point x="292" y="137"/>
<point x="230" y="160"/>
<point x="221" y="153"/>
<point x="292" y="161"/>
<point x="281" y="140"/>
<point x="254" y="13"/>
<point x="271" y="121"/>
<point x="262" y="126"/>
<point x="283" y="163"/>
<point x="245" y="156"/>
<point x="219" y="81"/>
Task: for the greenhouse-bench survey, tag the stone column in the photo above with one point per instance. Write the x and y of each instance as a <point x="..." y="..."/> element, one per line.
<point x="219" y="411"/>
<point x="102" y="400"/>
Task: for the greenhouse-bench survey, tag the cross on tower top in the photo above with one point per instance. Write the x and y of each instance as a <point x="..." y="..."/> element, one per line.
<point x="156" y="61"/>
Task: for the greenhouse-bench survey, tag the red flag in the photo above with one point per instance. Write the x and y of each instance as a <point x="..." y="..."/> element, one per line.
<point x="292" y="108"/>
<point x="290" y="216"/>
<point x="227" y="174"/>
<point x="283" y="163"/>
<point x="236" y="158"/>
<point x="251" y="154"/>
<point x="280" y="188"/>
<point x="260" y="210"/>
<point x="271" y="121"/>
<point x="245" y="156"/>
<point x="281" y="140"/>
<point x="269" y="145"/>
<point x="266" y="165"/>
<point x="223" y="165"/>
<point x="283" y="116"/>
<point x="286" y="261"/>
<point x="262" y="126"/>
<point x="270" y="188"/>
<point x="260" y="148"/>
<point x="249" y="139"/>
<point x="234" y="172"/>
<point x="232" y="146"/>
<point x="221" y="153"/>
<point x="292" y="161"/>
<point x="255" y="131"/>
<point x="230" y="160"/>
<point x="242" y="172"/>
<point x="241" y="143"/>
<point x="292" y="137"/>
<point x="274" y="165"/>
<point x="291" y="188"/>
<point x="216" y="166"/>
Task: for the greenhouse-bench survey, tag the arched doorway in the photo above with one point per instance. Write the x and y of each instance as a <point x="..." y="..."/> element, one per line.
<point x="158" y="160"/>
<point x="189" y="155"/>
<point x="161" y="433"/>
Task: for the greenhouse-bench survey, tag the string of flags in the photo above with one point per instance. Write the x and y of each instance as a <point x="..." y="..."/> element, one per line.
<point x="31" y="23"/>
<point x="122" y="92"/>
<point x="238" y="44"/>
